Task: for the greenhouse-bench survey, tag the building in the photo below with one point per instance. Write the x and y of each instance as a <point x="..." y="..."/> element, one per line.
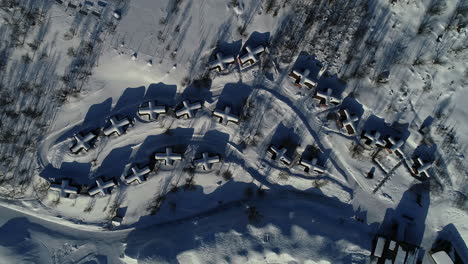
<point x="303" y="78"/>
<point x="83" y="11"/>
<point x="82" y="142"/>
<point x="64" y="188"/>
<point x="421" y="167"/>
<point x="206" y="161"/>
<point x="449" y="247"/>
<point x="116" y="14"/>
<point x="390" y="251"/>
<point x="372" y="138"/>
<point x="311" y="165"/>
<point x="326" y="98"/>
<point x="168" y="157"/>
<point x="440" y="257"/>
<point x="116" y="126"/>
<point x="221" y="63"/>
<point x="251" y="57"/>
<point x="188" y="109"/>
<point x="72" y="4"/>
<point x="151" y="110"/>
<point x="96" y="13"/>
<point x="226" y="116"/>
<point x="279" y="155"/>
<point x="102" y="188"/>
<point x="347" y="121"/>
<point x="138" y="175"/>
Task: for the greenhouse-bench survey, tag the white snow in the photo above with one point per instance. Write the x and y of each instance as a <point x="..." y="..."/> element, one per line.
<point x="208" y="192"/>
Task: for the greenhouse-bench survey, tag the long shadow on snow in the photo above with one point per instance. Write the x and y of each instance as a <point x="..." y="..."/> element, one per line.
<point x="376" y="123"/>
<point x="76" y="171"/>
<point x="20" y="236"/>
<point x="452" y="235"/>
<point x="323" y="218"/>
<point x="114" y="164"/>
<point x="95" y="118"/>
<point x="196" y="92"/>
<point x="177" y="139"/>
<point x="128" y="102"/>
<point x="234" y="95"/>
<point x="407" y="221"/>
<point x="218" y="140"/>
<point x="163" y="93"/>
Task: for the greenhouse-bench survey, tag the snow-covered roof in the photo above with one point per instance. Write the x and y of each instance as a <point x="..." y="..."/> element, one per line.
<point x="188" y="109"/>
<point x="251" y="57"/>
<point x="379" y="247"/>
<point x="395" y="145"/>
<point x="221" y="62"/>
<point x="82" y="142"/>
<point x="101" y="187"/>
<point x="441" y="257"/>
<point x="226" y="115"/>
<point x="151" y="110"/>
<point x="400" y="256"/>
<point x="326" y="98"/>
<point x="422" y="167"/>
<point x="392" y="245"/>
<point x="138" y="175"/>
<point x="279" y="155"/>
<point x="64" y="188"/>
<point x="168" y="157"/>
<point x="373" y="138"/>
<point x="302" y="78"/>
<point x="311" y="165"/>
<point x="206" y="161"/>
<point x="348" y="121"/>
<point x="116" y="126"/>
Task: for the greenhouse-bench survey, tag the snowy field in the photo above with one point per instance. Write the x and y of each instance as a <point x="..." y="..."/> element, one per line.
<point x="208" y="131"/>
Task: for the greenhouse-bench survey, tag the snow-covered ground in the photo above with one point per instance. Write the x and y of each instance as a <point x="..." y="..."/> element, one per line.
<point x="398" y="66"/>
